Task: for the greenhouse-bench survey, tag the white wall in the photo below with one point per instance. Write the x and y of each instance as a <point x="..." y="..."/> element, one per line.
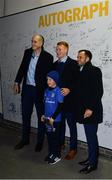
<point x="14" y="6"/>
<point x="94" y="34"/>
<point x="1" y="8"/>
<point x="8" y="7"/>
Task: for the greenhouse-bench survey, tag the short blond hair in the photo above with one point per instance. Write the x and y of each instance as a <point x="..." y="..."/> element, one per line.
<point x="64" y="43"/>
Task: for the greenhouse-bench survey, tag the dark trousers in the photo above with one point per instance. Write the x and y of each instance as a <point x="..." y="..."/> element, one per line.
<point x="71" y="121"/>
<point x="29" y="98"/>
<point x="92" y="141"/>
<point x="54" y="144"/>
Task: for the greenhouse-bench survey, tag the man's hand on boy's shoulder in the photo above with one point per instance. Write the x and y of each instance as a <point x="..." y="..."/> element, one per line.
<point x="65" y="91"/>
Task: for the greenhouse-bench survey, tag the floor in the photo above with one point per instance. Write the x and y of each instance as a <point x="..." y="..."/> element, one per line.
<point x="27" y="164"/>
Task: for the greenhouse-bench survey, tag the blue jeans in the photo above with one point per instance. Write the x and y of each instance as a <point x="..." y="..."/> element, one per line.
<point x="71" y="121"/>
<point x="92" y="141"/>
<point x="29" y="99"/>
<point x="54" y="145"/>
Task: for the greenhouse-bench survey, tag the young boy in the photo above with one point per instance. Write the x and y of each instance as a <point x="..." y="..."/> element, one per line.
<point x="53" y="100"/>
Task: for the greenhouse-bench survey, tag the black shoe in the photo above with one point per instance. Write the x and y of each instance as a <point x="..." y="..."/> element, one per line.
<point x="38" y="147"/>
<point x="88" y="169"/>
<point x="20" y="145"/>
<point x="54" y="160"/>
<point x="84" y="163"/>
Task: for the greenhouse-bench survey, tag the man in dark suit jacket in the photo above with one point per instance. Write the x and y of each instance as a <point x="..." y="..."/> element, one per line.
<point x="89" y="106"/>
<point x="35" y="65"/>
<point x="68" y="71"/>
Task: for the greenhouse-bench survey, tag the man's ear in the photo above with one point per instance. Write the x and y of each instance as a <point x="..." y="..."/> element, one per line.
<point x="87" y="59"/>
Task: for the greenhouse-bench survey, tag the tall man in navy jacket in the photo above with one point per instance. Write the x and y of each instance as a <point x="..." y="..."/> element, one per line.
<point x="34" y="67"/>
<point x="89" y="106"/>
<point x="68" y="71"/>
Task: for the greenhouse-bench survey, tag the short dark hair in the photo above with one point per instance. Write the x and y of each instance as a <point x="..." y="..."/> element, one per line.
<point x="87" y="52"/>
<point x="64" y="43"/>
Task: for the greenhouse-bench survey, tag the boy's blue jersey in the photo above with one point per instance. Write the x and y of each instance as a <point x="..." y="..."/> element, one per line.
<point x="51" y="99"/>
